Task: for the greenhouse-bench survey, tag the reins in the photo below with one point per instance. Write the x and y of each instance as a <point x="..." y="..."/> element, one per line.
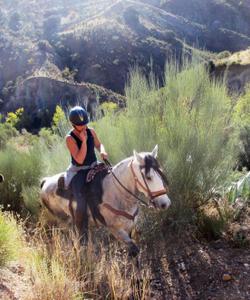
<point x="122" y="185"/>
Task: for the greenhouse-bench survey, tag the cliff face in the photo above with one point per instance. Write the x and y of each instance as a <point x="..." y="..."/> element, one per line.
<point x="40" y="95"/>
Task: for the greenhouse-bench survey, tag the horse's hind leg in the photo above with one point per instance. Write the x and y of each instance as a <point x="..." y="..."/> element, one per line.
<point x="123" y="236"/>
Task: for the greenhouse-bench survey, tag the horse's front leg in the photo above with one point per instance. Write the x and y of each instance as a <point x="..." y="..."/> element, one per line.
<point x="123" y="236"/>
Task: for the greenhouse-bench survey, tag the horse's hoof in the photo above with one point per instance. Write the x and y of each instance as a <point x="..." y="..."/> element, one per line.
<point x="133" y="251"/>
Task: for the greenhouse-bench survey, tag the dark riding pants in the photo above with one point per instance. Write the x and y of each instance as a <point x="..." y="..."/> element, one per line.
<point x="81" y="217"/>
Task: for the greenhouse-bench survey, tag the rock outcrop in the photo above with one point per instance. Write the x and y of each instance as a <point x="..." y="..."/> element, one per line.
<point x="236" y="68"/>
<point x="40" y="95"/>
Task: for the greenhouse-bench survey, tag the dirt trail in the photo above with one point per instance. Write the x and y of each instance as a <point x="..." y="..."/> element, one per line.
<point x="14" y="284"/>
<point x="188" y="269"/>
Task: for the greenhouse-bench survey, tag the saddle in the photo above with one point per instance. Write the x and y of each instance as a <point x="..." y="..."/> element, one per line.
<point x="92" y="188"/>
<point x="99" y="168"/>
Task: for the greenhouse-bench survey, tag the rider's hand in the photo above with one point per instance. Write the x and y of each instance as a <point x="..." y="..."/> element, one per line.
<point x="83" y="136"/>
<point x="104" y="155"/>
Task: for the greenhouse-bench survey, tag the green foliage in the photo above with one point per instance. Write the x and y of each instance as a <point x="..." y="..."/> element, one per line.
<point x="60" y="124"/>
<point x="7" y="131"/>
<point x="20" y="168"/>
<point x="31" y="196"/>
<point x="68" y="74"/>
<point x="59" y="116"/>
<point x="55" y="159"/>
<point x="241" y="117"/>
<point x="108" y="107"/>
<point x="47" y="137"/>
<point x="187" y="118"/>
<point x="242" y="110"/>
<point x="11" y="237"/>
<point x="240" y="189"/>
<point x="14" y="118"/>
<point x="223" y="54"/>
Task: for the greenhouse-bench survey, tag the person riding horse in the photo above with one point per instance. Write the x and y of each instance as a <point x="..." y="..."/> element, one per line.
<point x="81" y="142"/>
<point x="114" y="202"/>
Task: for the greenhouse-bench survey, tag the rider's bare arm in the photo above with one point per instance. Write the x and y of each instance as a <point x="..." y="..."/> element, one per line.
<point x="78" y="154"/>
<point x="98" y="145"/>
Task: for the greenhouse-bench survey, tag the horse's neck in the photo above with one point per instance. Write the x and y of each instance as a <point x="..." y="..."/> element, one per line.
<point x="123" y="173"/>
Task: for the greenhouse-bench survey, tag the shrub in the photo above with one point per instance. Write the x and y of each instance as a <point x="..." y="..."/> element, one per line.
<point x="56" y="158"/>
<point x="60" y="123"/>
<point x="242" y="123"/>
<point x="223" y="54"/>
<point x="20" y="168"/>
<point x="14" y="118"/>
<point x="239" y="189"/>
<point x="30" y="196"/>
<point x="188" y="118"/>
<point x="11" y="238"/>
<point x="7" y="131"/>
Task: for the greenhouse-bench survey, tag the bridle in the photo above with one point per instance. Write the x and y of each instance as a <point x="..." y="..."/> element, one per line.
<point x="151" y="195"/>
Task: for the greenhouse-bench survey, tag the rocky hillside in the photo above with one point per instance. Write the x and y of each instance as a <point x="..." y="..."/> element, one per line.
<point x="237" y="66"/>
<point x="99" y="41"/>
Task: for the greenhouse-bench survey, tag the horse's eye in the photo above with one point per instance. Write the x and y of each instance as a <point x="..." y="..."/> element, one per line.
<point x="149" y="178"/>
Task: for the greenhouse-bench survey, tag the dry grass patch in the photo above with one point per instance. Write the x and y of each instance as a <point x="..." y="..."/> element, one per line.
<point x="61" y="269"/>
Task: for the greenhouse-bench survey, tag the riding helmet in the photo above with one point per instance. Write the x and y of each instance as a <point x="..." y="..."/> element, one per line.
<point x="78" y="116"/>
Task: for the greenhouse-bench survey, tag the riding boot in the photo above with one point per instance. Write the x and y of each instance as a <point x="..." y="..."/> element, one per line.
<point x="81" y="222"/>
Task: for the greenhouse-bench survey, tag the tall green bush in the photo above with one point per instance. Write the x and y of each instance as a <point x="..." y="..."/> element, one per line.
<point x="188" y="118"/>
<point x="20" y="168"/>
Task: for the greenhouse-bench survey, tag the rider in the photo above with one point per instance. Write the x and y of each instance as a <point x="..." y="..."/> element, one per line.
<point x="81" y="142"/>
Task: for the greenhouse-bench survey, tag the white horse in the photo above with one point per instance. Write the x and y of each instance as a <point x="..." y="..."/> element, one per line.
<point x="118" y="203"/>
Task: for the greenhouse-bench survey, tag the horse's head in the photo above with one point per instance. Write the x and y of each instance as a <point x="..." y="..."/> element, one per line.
<point x="150" y="179"/>
<point x="1" y="178"/>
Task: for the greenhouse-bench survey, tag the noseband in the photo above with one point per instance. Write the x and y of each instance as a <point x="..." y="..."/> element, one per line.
<point x="145" y="187"/>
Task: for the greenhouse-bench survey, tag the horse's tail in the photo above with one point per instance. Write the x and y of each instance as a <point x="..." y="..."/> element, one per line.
<point x="42" y="183"/>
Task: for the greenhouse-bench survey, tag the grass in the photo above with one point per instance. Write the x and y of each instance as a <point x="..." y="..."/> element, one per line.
<point x="11" y="238"/>
<point x="62" y="270"/>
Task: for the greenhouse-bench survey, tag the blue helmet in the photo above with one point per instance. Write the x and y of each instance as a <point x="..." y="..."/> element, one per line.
<point x="78" y="116"/>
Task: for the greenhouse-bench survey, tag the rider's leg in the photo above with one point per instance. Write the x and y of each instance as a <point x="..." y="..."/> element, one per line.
<point x="81" y="216"/>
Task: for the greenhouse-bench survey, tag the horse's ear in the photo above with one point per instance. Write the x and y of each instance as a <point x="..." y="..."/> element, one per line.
<point x="155" y="151"/>
<point x="139" y="158"/>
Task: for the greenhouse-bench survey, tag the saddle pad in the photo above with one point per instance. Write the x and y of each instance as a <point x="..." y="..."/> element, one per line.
<point x="97" y="169"/>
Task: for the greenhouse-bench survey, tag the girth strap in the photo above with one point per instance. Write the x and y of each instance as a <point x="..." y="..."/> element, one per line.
<point x="121" y="212"/>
